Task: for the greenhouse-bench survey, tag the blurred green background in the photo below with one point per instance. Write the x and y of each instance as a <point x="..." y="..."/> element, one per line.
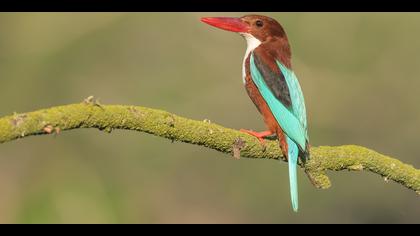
<point x="360" y="73"/>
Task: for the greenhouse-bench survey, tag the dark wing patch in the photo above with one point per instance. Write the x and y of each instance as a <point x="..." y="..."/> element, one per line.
<point x="275" y="81"/>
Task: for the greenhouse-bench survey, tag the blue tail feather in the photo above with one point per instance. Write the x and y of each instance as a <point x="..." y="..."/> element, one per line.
<point x="292" y="154"/>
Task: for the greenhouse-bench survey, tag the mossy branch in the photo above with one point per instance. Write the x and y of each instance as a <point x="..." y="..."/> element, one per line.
<point x="90" y="114"/>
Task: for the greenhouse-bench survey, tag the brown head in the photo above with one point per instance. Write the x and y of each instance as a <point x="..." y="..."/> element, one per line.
<point x="262" y="28"/>
<point x="257" y="30"/>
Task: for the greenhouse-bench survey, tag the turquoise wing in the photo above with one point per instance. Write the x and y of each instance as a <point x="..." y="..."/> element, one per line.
<point x="296" y="95"/>
<point x="292" y="121"/>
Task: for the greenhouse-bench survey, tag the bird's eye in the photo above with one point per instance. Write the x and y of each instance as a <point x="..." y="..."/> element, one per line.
<point x="259" y="23"/>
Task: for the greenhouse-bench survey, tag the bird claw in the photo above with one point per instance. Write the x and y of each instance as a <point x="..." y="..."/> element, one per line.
<point x="259" y="135"/>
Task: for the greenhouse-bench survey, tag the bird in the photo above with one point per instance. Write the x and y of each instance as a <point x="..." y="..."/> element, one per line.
<point x="273" y="87"/>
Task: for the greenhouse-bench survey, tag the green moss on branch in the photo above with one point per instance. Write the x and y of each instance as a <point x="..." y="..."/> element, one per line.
<point x="90" y="114"/>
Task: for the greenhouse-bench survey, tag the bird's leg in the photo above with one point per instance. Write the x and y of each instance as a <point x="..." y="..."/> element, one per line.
<point x="259" y="135"/>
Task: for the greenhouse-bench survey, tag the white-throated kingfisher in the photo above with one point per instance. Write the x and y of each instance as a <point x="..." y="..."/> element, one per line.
<point x="272" y="86"/>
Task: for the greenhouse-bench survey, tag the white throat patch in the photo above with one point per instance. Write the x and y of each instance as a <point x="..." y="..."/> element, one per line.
<point x="252" y="43"/>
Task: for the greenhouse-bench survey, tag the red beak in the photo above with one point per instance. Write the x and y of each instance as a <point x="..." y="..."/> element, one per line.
<point x="227" y="23"/>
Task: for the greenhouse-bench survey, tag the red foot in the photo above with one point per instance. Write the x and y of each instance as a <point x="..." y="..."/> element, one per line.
<point x="259" y="135"/>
